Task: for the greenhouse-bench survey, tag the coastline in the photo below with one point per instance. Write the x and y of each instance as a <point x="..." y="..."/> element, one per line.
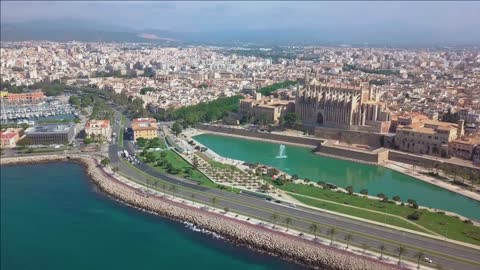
<point x="276" y="243"/>
<point x="389" y="164"/>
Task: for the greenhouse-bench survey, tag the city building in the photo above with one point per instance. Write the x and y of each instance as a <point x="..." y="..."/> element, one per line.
<point x="10" y="137"/>
<point x="464" y="148"/>
<point x="24" y="97"/>
<point x="266" y="110"/>
<point x="341" y="106"/>
<point x="98" y="128"/>
<point x="144" y="128"/>
<point x="51" y="134"/>
<point x="431" y="137"/>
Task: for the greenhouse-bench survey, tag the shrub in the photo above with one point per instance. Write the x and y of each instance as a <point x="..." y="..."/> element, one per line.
<point x="415" y="215"/>
<point x="472" y="234"/>
<point x="364" y="191"/>
<point x="349" y="190"/>
<point x="468" y="221"/>
<point x="415" y="205"/>
<point x="381" y="195"/>
<point x="396" y="198"/>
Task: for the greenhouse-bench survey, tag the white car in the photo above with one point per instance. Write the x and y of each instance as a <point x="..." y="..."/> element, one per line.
<point x="428" y="260"/>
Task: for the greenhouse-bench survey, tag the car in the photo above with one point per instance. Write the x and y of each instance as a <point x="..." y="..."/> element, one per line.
<point x="293" y="205"/>
<point x="428" y="260"/>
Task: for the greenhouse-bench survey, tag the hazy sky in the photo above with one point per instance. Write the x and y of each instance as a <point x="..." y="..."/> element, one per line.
<point x="437" y="19"/>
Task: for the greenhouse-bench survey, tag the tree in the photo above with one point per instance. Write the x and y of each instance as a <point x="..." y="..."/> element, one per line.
<point x="314" y="229"/>
<point x="419" y="255"/>
<point x="288" y="221"/>
<point x="364" y="191"/>
<point x="274" y="218"/>
<point x="214" y="201"/>
<point x="115" y="170"/>
<point x="382" y="248"/>
<point x="365" y="247"/>
<point x="396" y="198"/>
<point x="177" y="128"/>
<point x="332" y="231"/>
<point x="75" y="101"/>
<point x="149" y="157"/>
<point x="226" y="209"/>
<point x="105" y="161"/>
<point x="290" y="118"/>
<point x="188" y="171"/>
<point x="195" y="162"/>
<point x="349" y="190"/>
<point x="173" y="189"/>
<point x="401" y="251"/>
<point x="348" y="238"/>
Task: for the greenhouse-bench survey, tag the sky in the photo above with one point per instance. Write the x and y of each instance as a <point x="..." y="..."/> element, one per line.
<point x="455" y="21"/>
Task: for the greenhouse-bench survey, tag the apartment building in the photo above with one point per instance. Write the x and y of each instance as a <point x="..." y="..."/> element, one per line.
<point x="144" y="128"/>
<point x="98" y="128"/>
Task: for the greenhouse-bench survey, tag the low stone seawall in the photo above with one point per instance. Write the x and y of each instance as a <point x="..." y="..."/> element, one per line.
<point x="276" y="243"/>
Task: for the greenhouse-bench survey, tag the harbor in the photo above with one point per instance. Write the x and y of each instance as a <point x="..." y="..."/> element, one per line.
<point x="50" y="109"/>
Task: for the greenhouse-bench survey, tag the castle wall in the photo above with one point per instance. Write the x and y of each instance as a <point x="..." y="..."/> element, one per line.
<point x="350" y="136"/>
<point x="375" y="157"/>
<point x="262" y="135"/>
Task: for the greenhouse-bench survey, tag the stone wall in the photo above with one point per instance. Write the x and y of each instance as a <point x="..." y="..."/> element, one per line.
<point x="262" y="135"/>
<point x="350" y="136"/>
<point x="375" y="157"/>
<point x="424" y="161"/>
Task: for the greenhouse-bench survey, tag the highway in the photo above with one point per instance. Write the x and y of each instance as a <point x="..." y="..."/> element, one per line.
<point x="448" y="255"/>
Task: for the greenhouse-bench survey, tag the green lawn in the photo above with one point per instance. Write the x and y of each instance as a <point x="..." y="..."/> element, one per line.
<point x="439" y="223"/>
<point x="180" y="164"/>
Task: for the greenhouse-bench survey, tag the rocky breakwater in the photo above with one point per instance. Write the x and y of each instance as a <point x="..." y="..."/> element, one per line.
<point x="305" y="252"/>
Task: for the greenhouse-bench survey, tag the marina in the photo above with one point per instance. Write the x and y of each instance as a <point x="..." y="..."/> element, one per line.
<point x="50" y="109"/>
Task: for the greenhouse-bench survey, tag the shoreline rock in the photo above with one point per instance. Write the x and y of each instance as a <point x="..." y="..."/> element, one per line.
<point x="287" y="247"/>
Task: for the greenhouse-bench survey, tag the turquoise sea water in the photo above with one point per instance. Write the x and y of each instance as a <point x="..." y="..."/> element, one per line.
<point x="53" y="218"/>
<point x="343" y="173"/>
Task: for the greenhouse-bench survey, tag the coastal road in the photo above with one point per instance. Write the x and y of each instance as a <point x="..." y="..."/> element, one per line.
<point x="450" y="256"/>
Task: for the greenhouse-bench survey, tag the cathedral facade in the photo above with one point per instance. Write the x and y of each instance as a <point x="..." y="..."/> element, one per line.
<point x="340" y="106"/>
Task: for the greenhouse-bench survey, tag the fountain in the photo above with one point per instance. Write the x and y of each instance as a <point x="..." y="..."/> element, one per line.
<point x="281" y="151"/>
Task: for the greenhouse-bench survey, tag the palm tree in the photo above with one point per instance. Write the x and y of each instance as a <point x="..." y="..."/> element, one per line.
<point x="195" y="162"/>
<point x="364" y="247"/>
<point x="419" y="255"/>
<point x="173" y="188"/>
<point x="214" y="201"/>
<point x="288" y="221"/>
<point x="314" y="229"/>
<point x="348" y="238"/>
<point x="401" y="251"/>
<point x="274" y="219"/>
<point x="332" y="231"/>
<point x="382" y="248"/>
<point x="193" y="197"/>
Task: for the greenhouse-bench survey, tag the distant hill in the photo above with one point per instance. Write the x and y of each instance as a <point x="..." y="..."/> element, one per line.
<point x="62" y="31"/>
<point x="79" y="30"/>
